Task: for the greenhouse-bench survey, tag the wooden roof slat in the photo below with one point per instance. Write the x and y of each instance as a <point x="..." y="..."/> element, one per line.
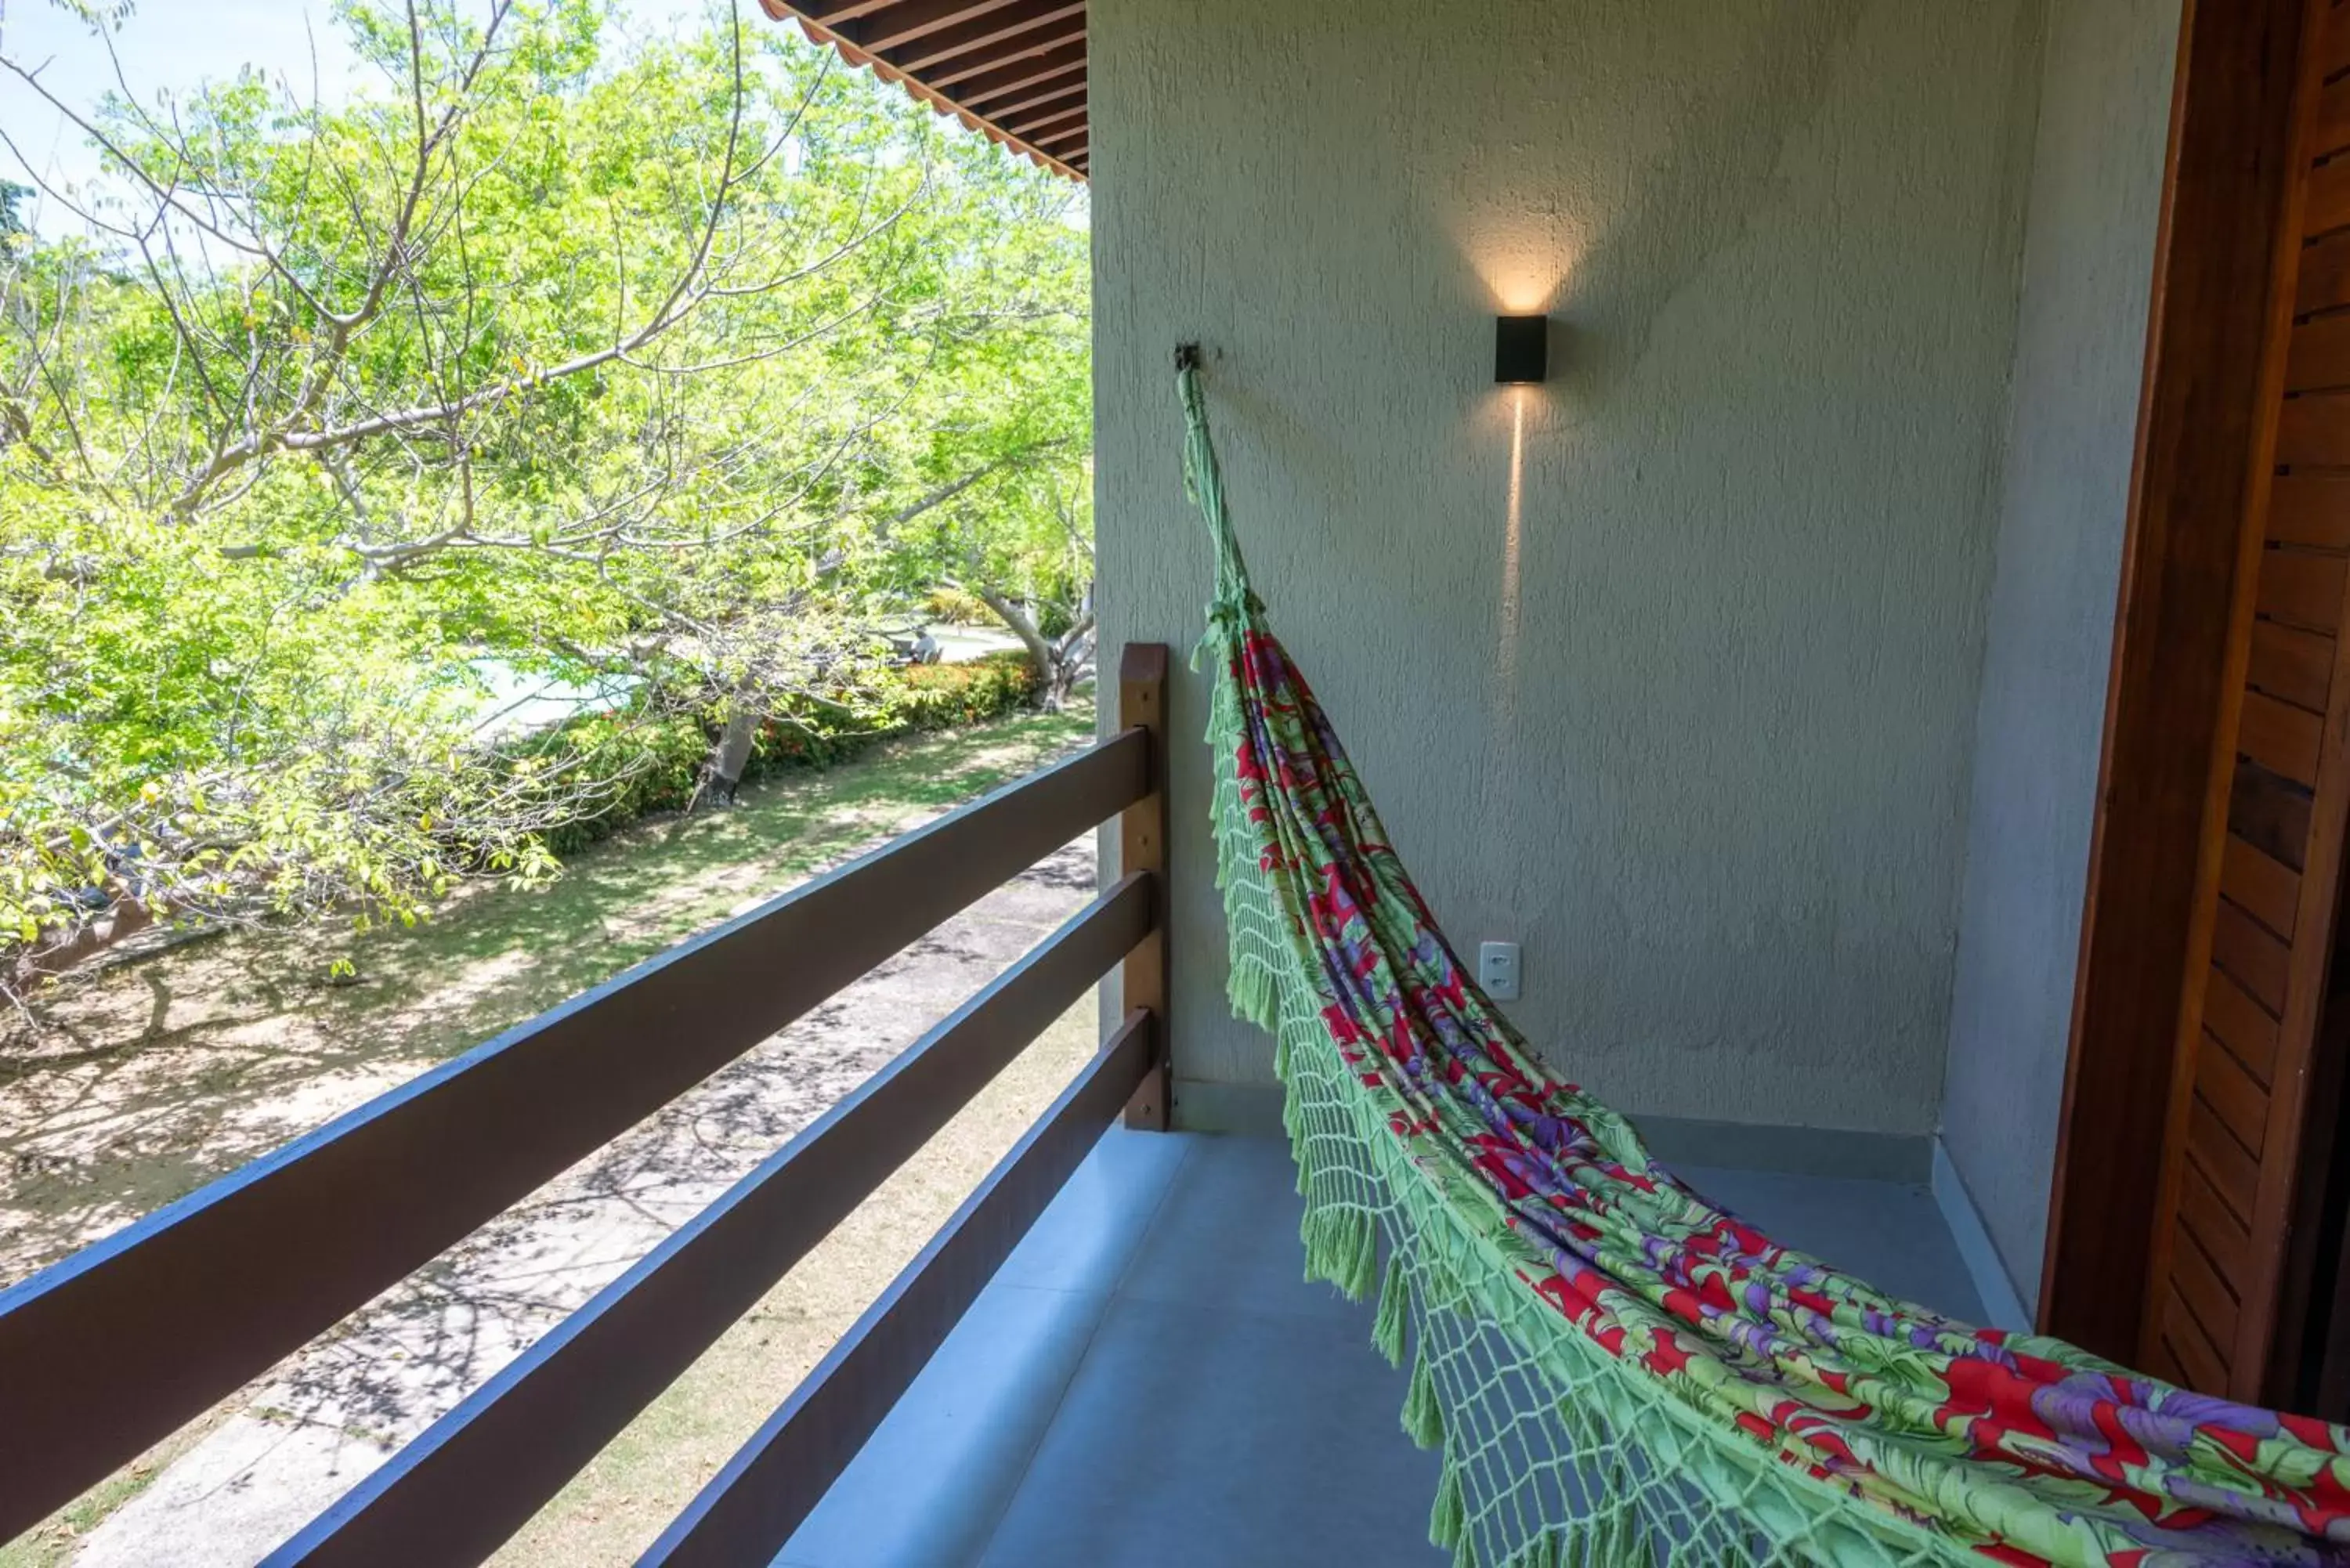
<point x="1041" y="105"/>
<point x="1014" y="70"/>
<point x="1010" y="88"/>
<point x="833" y="13"/>
<point x="957" y="53"/>
<point x="908" y="21"/>
<point x="952" y="75"/>
<point x="1032" y="127"/>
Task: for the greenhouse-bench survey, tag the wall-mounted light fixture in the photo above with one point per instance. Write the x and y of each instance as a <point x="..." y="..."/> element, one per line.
<point x="1521" y="350"/>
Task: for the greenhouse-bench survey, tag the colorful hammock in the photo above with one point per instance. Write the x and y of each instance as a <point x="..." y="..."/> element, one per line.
<point x="1617" y="1372"/>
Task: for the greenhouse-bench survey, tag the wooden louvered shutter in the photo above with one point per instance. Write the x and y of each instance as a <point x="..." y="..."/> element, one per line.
<point x="2253" y="1092"/>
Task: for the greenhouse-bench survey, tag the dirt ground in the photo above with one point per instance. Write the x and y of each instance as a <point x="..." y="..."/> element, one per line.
<point x="153" y="1079"/>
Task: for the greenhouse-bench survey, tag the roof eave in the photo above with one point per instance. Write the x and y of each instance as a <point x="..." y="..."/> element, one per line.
<point x="1072" y="164"/>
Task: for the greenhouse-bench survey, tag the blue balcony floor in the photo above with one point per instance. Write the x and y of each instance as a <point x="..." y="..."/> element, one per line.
<point x="1148" y="1381"/>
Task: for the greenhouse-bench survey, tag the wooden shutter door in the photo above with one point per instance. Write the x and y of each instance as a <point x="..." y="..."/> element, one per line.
<point x="2252" y="1093"/>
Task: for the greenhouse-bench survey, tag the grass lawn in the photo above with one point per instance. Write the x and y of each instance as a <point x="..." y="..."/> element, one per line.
<point x="146" y="1082"/>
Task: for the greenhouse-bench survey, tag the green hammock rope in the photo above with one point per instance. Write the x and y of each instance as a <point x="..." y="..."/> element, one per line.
<point x="1617" y="1373"/>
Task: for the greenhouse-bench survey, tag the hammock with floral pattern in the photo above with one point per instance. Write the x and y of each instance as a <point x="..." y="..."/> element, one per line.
<point x="1615" y="1372"/>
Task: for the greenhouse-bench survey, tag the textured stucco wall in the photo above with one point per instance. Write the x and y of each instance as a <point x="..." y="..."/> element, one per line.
<point x="2079" y="350"/>
<point x="1696" y="730"/>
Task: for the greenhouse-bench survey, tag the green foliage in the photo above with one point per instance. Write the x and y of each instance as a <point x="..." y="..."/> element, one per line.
<point x="13" y="227"/>
<point x="687" y="361"/>
<point x="939" y="696"/>
<point x="916" y="699"/>
<point x="956" y="607"/>
<point x="652" y="764"/>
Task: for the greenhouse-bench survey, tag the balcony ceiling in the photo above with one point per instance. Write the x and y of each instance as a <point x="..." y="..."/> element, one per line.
<point x="1014" y="70"/>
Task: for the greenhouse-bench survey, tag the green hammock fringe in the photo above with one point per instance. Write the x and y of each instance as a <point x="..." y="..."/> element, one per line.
<point x="1362" y="1257"/>
<point x="1254" y="997"/>
<point x="1447" y="1518"/>
<point x="1386" y="1328"/>
<point x="1605" y="1549"/>
<point x="1342" y="1247"/>
<point x="1423" y="1412"/>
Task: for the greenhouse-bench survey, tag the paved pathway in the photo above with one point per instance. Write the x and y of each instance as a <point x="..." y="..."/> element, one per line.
<point x="337" y="1409"/>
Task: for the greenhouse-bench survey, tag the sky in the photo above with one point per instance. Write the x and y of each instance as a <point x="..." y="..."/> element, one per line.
<point x="166" y="44"/>
<point x="170" y="46"/>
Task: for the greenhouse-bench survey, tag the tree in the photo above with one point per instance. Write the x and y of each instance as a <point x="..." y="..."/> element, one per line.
<point x="1008" y="516"/>
<point x="14" y="229"/>
<point x="1030" y="563"/>
<point x="554" y="354"/>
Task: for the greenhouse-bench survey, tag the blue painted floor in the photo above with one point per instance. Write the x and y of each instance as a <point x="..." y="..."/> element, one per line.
<point x="1148" y="1381"/>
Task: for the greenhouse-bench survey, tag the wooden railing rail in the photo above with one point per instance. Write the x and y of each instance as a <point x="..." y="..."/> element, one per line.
<point x="481" y="1471"/>
<point x="744" y="1517"/>
<point x="113" y="1349"/>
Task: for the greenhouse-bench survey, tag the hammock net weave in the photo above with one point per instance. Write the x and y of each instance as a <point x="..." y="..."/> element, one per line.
<point x="1616" y="1373"/>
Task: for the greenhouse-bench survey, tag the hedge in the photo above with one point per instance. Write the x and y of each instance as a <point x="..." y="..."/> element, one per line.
<point x="663" y="757"/>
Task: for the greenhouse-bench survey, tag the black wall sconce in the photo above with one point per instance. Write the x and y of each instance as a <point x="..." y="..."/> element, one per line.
<point x="1521" y="350"/>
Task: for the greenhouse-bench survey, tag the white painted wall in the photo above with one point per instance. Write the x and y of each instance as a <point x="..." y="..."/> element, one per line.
<point x="2080" y="344"/>
<point x="1709" y="759"/>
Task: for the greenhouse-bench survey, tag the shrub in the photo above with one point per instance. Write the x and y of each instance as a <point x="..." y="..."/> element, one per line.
<point x="915" y="698"/>
<point x="939" y="696"/>
<point x="637" y="763"/>
<point x="956" y="607"/>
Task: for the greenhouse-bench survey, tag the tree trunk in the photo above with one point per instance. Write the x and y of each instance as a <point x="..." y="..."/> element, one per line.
<point x="732" y="754"/>
<point x="1058" y="660"/>
<point x="127" y="917"/>
<point x="1061" y="672"/>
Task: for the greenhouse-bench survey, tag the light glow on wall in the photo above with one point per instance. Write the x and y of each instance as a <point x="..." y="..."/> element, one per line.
<point x="1512" y="548"/>
<point x="1523" y="261"/>
<point x="1524" y="291"/>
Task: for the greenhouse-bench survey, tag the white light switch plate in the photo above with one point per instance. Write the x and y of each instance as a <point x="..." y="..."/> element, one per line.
<point x="1497" y="970"/>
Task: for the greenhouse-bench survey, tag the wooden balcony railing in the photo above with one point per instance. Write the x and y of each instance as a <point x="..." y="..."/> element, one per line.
<point x="113" y="1349"/>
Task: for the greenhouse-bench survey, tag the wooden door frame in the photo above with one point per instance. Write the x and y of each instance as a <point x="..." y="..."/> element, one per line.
<point x="2184" y="564"/>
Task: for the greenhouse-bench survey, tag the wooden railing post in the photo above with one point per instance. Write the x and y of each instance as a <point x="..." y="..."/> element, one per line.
<point x="1142" y="847"/>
